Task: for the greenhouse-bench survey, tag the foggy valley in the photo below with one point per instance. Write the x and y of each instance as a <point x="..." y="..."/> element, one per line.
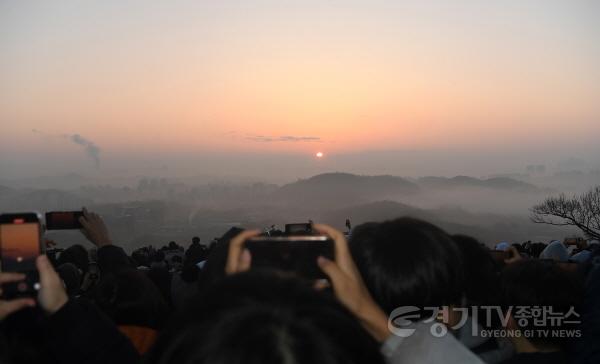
<point x="151" y="210"/>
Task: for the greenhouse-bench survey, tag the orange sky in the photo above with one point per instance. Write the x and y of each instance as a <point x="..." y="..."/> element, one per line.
<point x="378" y="75"/>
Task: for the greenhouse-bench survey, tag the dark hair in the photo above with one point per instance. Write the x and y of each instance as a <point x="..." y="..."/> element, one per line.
<point x="195" y="240"/>
<point x="129" y="297"/>
<point x="536" y="249"/>
<point x="408" y="262"/>
<point x="75" y="254"/>
<point x="482" y="275"/>
<point x="260" y="317"/>
<point x="214" y="268"/>
<point x="71" y="278"/>
<point x="541" y="283"/>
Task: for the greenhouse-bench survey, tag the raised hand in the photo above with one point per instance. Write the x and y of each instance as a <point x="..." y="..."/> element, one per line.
<point x="349" y="287"/>
<point x="238" y="257"/>
<point x="94" y="229"/>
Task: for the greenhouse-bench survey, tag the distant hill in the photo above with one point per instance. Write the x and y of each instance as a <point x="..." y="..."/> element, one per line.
<point x="375" y="211"/>
<point x="488" y="228"/>
<point x="345" y="188"/>
<point x="503" y="183"/>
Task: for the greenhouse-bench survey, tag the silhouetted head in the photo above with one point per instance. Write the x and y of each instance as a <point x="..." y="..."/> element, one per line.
<point x="481" y="271"/>
<point x="538" y="283"/>
<point x="71" y="277"/>
<point x="536" y="249"/>
<point x="482" y="275"/>
<point x="75" y="254"/>
<point x="214" y="269"/>
<point x="408" y="262"/>
<point x="195" y="240"/>
<point x="259" y="317"/>
<point x="131" y="298"/>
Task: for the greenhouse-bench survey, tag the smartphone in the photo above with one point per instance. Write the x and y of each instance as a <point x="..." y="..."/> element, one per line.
<point x="296" y="254"/>
<point x="298" y="229"/>
<point x="20" y="245"/>
<point x="63" y="220"/>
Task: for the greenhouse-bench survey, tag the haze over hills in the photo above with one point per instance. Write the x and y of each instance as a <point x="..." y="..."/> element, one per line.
<point x="503" y="183"/>
<point x="489" y="228"/>
<point x="152" y="210"/>
<point x="500" y="195"/>
<point x="344" y="189"/>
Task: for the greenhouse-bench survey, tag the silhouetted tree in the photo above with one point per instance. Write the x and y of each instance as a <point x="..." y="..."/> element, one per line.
<point x="582" y="211"/>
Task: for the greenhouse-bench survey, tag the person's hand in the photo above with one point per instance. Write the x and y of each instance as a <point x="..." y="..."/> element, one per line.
<point x="349" y="287"/>
<point x="513" y="256"/>
<point x="52" y="295"/>
<point x="50" y="243"/>
<point x="238" y="257"/>
<point x="94" y="229"/>
<point x="8" y="307"/>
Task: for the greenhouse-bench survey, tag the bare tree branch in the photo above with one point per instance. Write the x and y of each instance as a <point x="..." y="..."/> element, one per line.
<point x="581" y="211"/>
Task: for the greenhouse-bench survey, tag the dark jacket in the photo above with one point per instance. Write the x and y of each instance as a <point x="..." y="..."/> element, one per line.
<point x="79" y="333"/>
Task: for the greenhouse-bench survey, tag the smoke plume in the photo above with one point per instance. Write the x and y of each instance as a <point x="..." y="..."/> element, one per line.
<point x="90" y="148"/>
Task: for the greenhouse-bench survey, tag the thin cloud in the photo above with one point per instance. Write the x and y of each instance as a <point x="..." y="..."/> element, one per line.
<point x="282" y="138"/>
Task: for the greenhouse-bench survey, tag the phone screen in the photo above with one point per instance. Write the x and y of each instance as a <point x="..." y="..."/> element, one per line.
<point x="293" y="253"/>
<point x="20" y="236"/>
<point x="63" y="220"/>
<point x="20" y="246"/>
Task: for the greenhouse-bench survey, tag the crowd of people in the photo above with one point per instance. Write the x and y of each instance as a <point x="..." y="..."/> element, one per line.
<point x="398" y="291"/>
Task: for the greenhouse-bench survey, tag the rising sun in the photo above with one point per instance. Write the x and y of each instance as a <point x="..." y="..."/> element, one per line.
<point x="319" y="154"/>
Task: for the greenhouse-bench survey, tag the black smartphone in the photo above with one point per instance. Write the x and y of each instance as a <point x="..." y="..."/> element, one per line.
<point x="20" y="245"/>
<point x="298" y="229"/>
<point x="296" y="254"/>
<point x="63" y="220"/>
